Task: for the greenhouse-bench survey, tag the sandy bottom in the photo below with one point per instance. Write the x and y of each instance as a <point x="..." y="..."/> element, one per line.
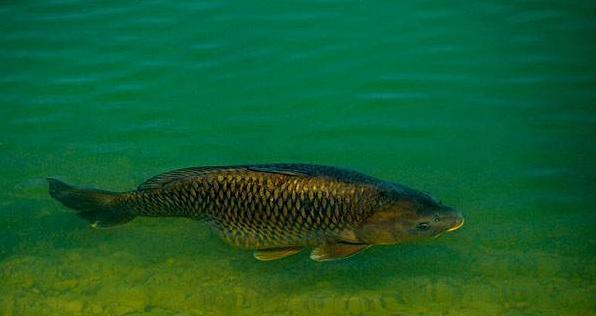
<point x="177" y="267"/>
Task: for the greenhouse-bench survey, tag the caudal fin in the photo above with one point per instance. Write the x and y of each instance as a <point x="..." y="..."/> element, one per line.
<point x="97" y="206"/>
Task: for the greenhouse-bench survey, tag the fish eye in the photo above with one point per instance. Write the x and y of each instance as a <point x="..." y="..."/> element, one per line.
<point x="436" y="218"/>
<point x="423" y="226"/>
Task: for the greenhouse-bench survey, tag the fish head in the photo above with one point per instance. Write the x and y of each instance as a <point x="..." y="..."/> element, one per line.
<point x="410" y="218"/>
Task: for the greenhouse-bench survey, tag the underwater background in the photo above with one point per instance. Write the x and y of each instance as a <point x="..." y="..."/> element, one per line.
<point x="490" y="106"/>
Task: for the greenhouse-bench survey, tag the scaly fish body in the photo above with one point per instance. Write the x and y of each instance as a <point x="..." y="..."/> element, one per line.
<point x="255" y="209"/>
<point x="275" y="208"/>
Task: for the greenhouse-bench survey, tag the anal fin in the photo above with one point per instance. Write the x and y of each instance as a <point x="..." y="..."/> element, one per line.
<point x="336" y="251"/>
<point x="276" y="253"/>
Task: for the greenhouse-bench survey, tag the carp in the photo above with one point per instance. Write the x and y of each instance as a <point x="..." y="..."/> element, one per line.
<point x="276" y="210"/>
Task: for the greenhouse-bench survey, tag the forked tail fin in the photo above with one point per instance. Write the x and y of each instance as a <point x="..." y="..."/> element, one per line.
<point x="97" y="206"/>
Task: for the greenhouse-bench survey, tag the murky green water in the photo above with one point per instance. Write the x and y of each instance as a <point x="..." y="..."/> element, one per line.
<point x="489" y="106"/>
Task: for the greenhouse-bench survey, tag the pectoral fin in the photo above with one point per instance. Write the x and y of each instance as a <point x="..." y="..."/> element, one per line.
<point x="276" y="253"/>
<point x="337" y="251"/>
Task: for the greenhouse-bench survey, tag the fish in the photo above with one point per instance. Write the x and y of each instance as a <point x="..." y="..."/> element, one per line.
<point x="275" y="210"/>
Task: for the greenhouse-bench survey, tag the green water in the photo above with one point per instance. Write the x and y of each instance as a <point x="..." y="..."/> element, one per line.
<point x="489" y="106"/>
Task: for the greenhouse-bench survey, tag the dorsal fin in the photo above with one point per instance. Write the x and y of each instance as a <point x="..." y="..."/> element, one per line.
<point x="161" y="180"/>
<point x="276" y="170"/>
<point x="304" y="170"/>
<point x="309" y="170"/>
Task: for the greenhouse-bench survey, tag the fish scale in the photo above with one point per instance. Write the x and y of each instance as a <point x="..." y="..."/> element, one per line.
<point x="256" y="209"/>
<point x="276" y="209"/>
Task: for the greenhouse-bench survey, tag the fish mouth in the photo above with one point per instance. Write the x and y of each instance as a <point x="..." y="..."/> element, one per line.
<point x="457" y="226"/>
